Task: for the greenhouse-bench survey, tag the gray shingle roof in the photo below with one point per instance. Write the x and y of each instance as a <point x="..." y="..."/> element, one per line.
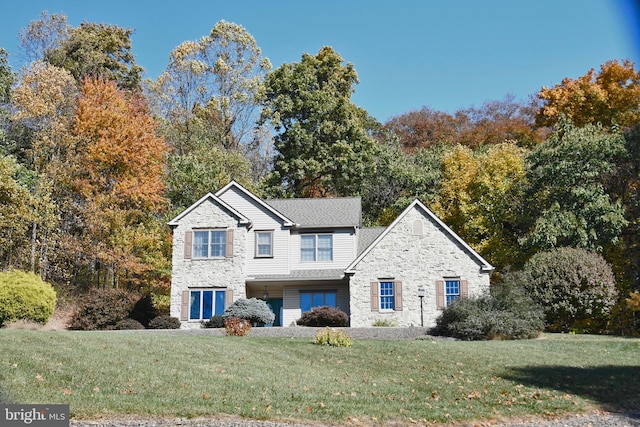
<point x="366" y="236"/>
<point x="334" y="274"/>
<point x="310" y="213"/>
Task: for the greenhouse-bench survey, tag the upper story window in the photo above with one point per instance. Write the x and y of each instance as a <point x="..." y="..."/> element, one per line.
<point x="316" y="247"/>
<point x="209" y="243"/>
<point x="264" y="244"/>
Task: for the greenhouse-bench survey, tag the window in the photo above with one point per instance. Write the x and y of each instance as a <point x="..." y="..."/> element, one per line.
<point x="451" y="290"/>
<point x="264" y="244"/>
<point x="311" y="299"/>
<point x="205" y="303"/>
<point x="316" y="247"/>
<point x="209" y="244"/>
<point x="386" y="295"/>
<point x="387" y="299"/>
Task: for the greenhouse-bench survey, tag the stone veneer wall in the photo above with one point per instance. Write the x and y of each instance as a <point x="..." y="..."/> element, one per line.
<point x="415" y="261"/>
<point x="198" y="273"/>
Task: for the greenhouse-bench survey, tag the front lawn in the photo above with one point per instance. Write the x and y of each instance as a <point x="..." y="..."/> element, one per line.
<point x="147" y="374"/>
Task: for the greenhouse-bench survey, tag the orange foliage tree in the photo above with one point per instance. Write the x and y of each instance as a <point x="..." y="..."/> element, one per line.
<point x="611" y="96"/>
<point x="117" y="170"/>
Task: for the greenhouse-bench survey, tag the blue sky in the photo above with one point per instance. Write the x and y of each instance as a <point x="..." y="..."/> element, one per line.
<point x="443" y="54"/>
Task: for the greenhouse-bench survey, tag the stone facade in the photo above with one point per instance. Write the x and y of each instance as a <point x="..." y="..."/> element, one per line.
<point x="415" y="260"/>
<point x="226" y="273"/>
<point x="416" y="251"/>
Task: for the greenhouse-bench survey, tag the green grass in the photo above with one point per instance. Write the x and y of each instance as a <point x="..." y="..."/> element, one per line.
<point x="118" y="374"/>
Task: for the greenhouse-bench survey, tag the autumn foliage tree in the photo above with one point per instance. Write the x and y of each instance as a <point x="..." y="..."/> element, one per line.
<point x="610" y="96"/>
<point x="118" y="171"/>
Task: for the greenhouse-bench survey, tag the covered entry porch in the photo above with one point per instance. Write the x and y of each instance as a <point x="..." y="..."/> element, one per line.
<point x="289" y="296"/>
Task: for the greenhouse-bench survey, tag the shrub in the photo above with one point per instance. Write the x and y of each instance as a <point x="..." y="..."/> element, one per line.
<point x="333" y="337"/>
<point x="324" y="316"/>
<point x="385" y="323"/>
<point x="505" y="313"/>
<point x="165" y="322"/>
<point x="237" y="327"/>
<point x="216" y="321"/>
<point x="25" y="296"/>
<point x="128" y="324"/>
<point x="573" y="285"/>
<point x="254" y="310"/>
<point x="102" y="309"/>
<point x="144" y="310"/>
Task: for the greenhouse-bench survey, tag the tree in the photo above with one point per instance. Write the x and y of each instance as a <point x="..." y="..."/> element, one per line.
<point x="480" y="198"/>
<point x="567" y="199"/>
<point x="43" y="35"/>
<point x="16" y="213"/>
<point x="44" y="101"/>
<point x="98" y="50"/>
<point x="322" y="148"/>
<point x="118" y="171"/>
<point x="216" y="81"/>
<point x="611" y="96"/>
<point x="495" y="122"/>
<point x="575" y="287"/>
<point x="193" y="175"/>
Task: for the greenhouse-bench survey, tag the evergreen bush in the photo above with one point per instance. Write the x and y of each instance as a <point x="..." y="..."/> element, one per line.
<point x="25" y="296"/>
<point x="144" y="310"/>
<point x="102" y="309"/>
<point x="216" y="321"/>
<point x="254" y="310"/>
<point x="128" y="324"/>
<point x="164" y="322"/>
<point x="324" y="316"/>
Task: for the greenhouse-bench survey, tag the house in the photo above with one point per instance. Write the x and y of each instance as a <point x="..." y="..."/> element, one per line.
<point x="301" y="253"/>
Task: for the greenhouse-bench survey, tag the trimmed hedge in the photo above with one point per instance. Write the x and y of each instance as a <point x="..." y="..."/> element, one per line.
<point x="25" y="296"/>
<point x="324" y="316"/>
<point x="164" y="322"/>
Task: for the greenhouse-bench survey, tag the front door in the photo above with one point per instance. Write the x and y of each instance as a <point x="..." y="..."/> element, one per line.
<point x="275" y="304"/>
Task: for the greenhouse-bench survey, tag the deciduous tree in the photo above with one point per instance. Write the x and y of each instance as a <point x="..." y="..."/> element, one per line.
<point x="322" y="145"/>
<point x="610" y="96"/>
<point x="118" y="176"/>
<point x="567" y="197"/>
<point x="93" y="50"/>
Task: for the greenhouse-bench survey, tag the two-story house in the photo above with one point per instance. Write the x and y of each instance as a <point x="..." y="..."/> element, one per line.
<point x="302" y="253"/>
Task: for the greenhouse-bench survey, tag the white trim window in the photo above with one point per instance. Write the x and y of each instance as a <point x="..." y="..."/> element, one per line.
<point x="316" y="247"/>
<point x="264" y="244"/>
<point x="209" y="243"/>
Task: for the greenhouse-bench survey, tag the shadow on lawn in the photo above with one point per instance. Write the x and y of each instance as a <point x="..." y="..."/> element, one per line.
<point x="615" y="388"/>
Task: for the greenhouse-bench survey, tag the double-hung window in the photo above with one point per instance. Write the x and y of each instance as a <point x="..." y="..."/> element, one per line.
<point x="316" y="247"/>
<point x="311" y="299"/>
<point x="264" y="244"/>
<point x="387" y="296"/>
<point x="451" y="290"/>
<point x="205" y="303"/>
<point x="209" y="243"/>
